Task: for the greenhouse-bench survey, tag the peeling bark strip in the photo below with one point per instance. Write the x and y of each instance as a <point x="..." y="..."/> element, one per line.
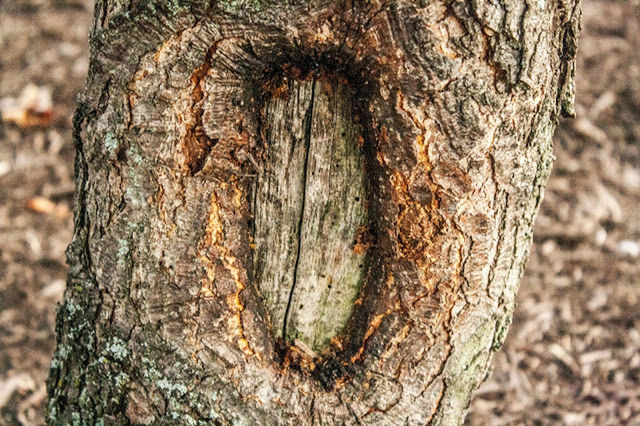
<point x="309" y="207"/>
<point x="163" y="319"/>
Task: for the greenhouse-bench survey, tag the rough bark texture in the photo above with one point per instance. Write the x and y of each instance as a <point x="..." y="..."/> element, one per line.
<point x="163" y="320"/>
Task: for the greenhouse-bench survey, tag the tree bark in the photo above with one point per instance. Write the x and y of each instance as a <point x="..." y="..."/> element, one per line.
<point x="167" y="315"/>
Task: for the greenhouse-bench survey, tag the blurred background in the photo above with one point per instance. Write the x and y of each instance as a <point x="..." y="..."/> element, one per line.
<point x="573" y="352"/>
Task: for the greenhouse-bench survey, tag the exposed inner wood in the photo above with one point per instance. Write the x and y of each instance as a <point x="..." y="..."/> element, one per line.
<point x="309" y="208"/>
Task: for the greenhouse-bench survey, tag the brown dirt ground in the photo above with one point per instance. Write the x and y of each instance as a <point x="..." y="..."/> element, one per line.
<point x="573" y="352"/>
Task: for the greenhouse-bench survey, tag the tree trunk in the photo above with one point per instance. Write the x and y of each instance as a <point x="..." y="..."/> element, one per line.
<point x="303" y="213"/>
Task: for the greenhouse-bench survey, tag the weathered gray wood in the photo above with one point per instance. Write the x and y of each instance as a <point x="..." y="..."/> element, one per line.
<point x="163" y="321"/>
<point x="310" y="211"/>
<point x="279" y="197"/>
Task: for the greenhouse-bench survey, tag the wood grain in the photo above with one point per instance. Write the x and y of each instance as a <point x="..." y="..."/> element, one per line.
<point x="309" y="206"/>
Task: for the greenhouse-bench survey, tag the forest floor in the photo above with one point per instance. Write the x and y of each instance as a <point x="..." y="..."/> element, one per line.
<point x="573" y="352"/>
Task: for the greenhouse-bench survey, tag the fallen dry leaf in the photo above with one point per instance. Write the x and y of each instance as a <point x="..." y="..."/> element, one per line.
<point x="18" y="383"/>
<point x="46" y="206"/>
<point x="33" y="108"/>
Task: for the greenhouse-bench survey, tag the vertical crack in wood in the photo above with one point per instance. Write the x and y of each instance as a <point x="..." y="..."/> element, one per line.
<point x="309" y="210"/>
<point x="305" y="168"/>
